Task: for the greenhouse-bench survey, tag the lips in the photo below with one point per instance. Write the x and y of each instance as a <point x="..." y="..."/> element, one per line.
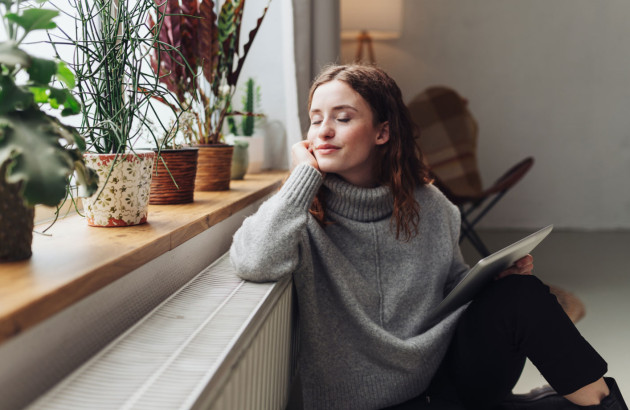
<point x="325" y="149"/>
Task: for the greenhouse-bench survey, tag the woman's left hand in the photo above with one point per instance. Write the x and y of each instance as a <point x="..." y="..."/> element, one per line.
<point x="523" y="266"/>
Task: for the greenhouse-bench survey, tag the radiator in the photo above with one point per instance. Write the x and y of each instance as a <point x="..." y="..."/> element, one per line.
<point x="217" y="343"/>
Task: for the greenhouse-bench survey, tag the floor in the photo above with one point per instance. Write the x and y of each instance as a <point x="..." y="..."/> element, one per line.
<point x="594" y="266"/>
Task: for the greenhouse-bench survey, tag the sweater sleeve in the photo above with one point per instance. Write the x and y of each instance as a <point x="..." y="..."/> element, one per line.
<point x="267" y="246"/>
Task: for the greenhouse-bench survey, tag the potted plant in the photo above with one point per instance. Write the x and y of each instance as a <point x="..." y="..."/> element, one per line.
<point x="38" y="153"/>
<point x="245" y="130"/>
<point x="111" y="44"/>
<point x="175" y="167"/>
<point x="199" y="58"/>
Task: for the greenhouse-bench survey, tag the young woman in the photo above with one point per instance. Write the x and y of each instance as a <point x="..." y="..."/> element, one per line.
<point x="373" y="247"/>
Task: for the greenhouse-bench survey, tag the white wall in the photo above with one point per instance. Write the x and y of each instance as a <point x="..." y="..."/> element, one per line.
<point x="266" y="63"/>
<point x="547" y="78"/>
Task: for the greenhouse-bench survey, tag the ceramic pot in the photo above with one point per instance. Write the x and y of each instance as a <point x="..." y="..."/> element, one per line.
<point x="174" y="183"/>
<point x="240" y="157"/>
<point x="214" y="167"/>
<point x="256" y="153"/>
<point x="16" y="222"/>
<point x="124" y="184"/>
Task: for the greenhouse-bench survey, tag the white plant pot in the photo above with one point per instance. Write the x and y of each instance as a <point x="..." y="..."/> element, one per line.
<point x="256" y="153"/>
<point x="122" y="199"/>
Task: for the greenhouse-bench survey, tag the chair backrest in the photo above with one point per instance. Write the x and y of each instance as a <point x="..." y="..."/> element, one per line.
<point x="448" y="139"/>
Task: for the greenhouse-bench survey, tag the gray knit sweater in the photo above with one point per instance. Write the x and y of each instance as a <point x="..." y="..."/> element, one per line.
<point x="362" y="294"/>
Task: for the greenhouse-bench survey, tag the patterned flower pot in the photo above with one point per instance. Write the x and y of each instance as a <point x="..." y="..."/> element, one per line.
<point x="175" y="182"/>
<point x="122" y="198"/>
<point x="214" y="167"/>
<point x="16" y="222"/>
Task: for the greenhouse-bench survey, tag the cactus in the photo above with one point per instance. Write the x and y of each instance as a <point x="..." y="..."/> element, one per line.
<point x="247" y="122"/>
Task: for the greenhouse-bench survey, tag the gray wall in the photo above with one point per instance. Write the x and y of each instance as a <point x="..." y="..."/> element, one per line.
<point x="547" y="78"/>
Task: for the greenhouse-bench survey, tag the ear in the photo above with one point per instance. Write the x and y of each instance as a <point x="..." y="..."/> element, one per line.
<point x="383" y="135"/>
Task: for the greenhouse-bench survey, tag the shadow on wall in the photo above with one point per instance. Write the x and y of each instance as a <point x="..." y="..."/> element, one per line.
<point x="276" y="153"/>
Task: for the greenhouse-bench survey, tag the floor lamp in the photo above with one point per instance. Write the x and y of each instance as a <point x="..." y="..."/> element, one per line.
<point x="367" y="20"/>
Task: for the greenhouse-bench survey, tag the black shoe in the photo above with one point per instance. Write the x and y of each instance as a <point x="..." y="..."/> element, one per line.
<point x="549" y="400"/>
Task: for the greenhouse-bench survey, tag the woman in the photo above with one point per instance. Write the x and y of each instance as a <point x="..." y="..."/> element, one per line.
<point x="373" y="247"/>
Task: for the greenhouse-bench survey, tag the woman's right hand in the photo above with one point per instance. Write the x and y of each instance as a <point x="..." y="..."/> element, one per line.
<point x="302" y="153"/>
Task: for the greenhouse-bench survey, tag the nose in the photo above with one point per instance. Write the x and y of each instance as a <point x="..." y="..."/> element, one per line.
<point x="326" y="130"/>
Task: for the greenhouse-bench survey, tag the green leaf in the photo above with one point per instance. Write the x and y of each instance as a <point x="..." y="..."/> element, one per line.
<point x="13" y="97"/>
<point x="32" y="141"/>
<point x="34" y="19"/>
<point x="11" y="55"/>
<point x="65" y="75"/>
<point x="41" y="70"/>
<point x="40" y="94"/>
<point x="61" y="96"/>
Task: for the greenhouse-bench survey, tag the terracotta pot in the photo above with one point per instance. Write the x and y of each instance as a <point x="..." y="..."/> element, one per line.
<point x="214" y="167"/>
<point x="175" y="182"/>
<point x="16" y="222"/>
<point x="122" y="198"/>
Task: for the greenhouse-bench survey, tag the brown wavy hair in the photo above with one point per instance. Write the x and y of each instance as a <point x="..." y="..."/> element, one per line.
<point x="398" y="163"/>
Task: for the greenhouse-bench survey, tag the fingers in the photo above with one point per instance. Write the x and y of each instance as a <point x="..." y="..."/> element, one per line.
<point x="523" y="266"/>
<point x="302" y="153"/>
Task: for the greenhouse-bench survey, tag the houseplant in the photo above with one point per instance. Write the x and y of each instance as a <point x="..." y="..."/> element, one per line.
<point x="245" y="129"/>
<point x="38" y="153"/>
<point x="111" y="44"/>
<point x="175" y="167"/>
<point x="199" y="58"/>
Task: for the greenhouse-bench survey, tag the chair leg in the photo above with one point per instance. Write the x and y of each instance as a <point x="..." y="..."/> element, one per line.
<point x="467" y="231"/>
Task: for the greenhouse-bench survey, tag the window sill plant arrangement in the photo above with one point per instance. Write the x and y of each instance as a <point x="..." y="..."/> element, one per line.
<point x="245" y="132"/>
<point x="38" y="153"/>
<point x="111" y="45"/>
<point x="200" y="59"/>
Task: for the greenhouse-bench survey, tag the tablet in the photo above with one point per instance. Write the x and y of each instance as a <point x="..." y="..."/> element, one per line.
<point x="484" y="271"/>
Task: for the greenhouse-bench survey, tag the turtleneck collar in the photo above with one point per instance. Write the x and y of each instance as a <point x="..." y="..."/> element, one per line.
<point x="357" y="203"/>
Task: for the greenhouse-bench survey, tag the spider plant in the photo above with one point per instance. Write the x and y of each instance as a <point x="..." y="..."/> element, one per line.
<point x="199" y="57"/>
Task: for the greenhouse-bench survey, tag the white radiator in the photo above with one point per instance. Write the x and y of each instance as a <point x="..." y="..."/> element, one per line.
<point x="217" y="343"/>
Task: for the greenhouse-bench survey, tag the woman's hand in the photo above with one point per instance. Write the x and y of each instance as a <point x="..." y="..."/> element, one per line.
<point x="523" y="266"/>
<point x="302" y="153"/>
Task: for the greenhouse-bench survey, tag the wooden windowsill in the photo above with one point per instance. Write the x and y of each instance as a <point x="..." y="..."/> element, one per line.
<point x="78" y="260"/>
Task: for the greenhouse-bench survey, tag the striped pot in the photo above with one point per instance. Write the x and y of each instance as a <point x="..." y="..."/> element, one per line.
<point x="174" y="174"/>
<point x="214" y="167"/>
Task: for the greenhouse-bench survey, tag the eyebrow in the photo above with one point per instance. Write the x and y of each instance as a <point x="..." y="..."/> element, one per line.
<point x="336" y="108"/>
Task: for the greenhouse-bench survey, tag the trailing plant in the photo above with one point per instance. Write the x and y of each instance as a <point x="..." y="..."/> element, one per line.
<point x="111" y="62"/>
<point x="37" y="150"/>
<point x="199" y="57"/>
<point x="250" y="103"/>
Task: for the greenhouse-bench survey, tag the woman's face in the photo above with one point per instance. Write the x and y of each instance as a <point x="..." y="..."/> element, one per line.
<point x="342" y="133"/>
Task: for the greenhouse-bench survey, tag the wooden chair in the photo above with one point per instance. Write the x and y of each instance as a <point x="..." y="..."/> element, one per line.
<point x="448" y="139"/>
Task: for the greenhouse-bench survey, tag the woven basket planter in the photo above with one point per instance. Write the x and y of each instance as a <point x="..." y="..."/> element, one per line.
<point x="214" y="167"/>
<point x="16" y="222"/>
<point x="182" y="168"/>
<point x="124" y="183"/>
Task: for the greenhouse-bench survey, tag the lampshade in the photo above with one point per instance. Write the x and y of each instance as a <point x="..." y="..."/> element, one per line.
<point x="381" y="19"/>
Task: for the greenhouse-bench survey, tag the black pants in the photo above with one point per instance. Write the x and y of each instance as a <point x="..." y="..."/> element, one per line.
<point x="514" y="318"/>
